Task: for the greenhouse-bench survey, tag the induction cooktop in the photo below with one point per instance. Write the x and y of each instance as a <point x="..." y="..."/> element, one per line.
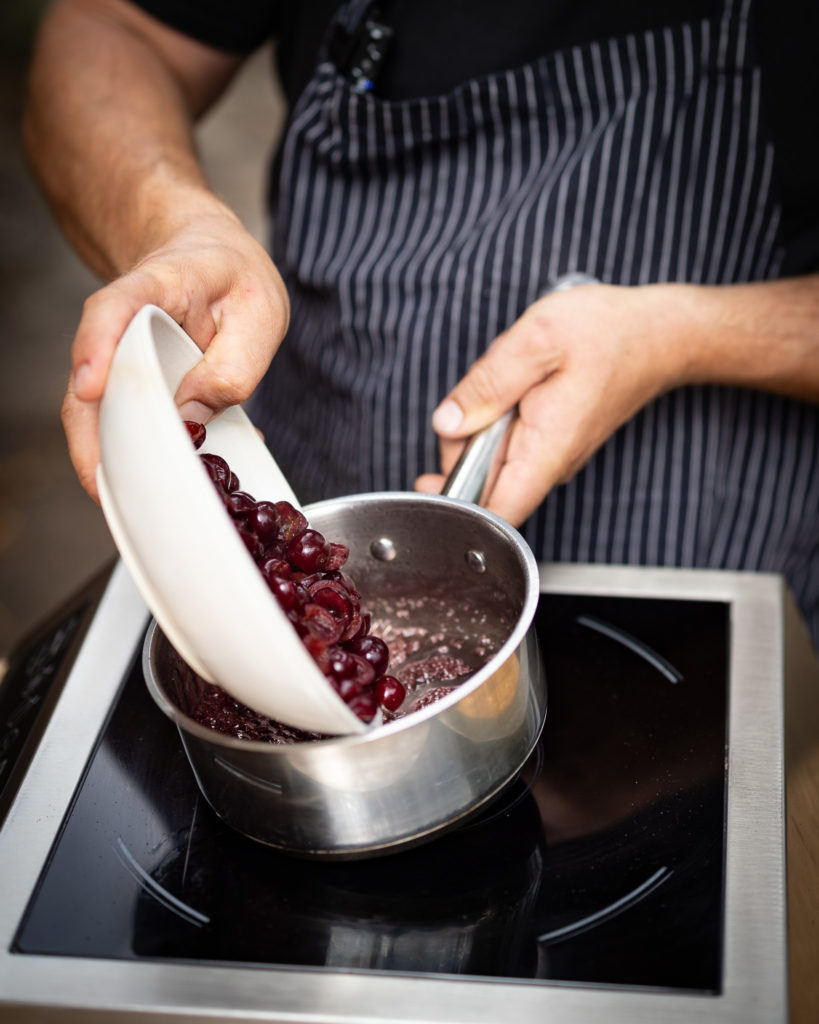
<point x="635" y="866"/>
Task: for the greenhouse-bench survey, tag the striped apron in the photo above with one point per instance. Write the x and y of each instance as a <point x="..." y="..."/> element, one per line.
<point x="411" y="233"/>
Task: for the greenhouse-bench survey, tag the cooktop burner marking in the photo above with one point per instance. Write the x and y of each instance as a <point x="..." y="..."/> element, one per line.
<point x="190" y="839"/>
<point x="633" y="644"/>
<point x="626" y="902"/>
<point x="153" y="888"/>
<point x="240" y="773"/>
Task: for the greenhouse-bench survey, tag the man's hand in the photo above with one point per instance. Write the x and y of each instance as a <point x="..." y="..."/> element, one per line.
<point x="113" y="97"/>
<point x="580" y="363"/>
<point x="221" y="287"/>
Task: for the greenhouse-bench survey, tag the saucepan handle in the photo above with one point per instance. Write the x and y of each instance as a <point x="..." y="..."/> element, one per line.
<point x="477" y="468"/>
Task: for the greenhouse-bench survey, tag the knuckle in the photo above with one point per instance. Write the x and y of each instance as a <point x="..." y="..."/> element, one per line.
<point x="533" y="344"/>
<point x="483" y="381"/>
<point x="231" y="386"/>
<point x="93" y="302"/>
<point x="537" y="342"/>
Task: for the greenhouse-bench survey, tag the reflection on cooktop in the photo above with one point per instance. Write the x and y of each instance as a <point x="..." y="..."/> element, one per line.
<point x="602" y="863"/>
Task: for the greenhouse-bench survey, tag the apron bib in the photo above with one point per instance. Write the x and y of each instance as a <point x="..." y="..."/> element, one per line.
<point x="411" y="233"/>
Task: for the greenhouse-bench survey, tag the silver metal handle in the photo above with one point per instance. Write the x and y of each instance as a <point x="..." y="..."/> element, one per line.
<point x="567" y="281"/>
<point x="473" y="475"/>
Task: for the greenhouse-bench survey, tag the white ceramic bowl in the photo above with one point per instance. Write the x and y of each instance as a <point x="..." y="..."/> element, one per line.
<point x="179" y="543"/>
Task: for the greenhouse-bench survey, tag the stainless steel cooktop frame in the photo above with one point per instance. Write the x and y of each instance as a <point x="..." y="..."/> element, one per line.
<point x="755" y="989"/>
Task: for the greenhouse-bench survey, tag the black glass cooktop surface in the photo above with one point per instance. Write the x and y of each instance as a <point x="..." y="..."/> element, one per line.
<point x="602" y="864"/>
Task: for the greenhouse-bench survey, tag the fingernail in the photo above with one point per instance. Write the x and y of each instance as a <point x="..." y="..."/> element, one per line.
<point x="196" y="411"/>
<point x="447" y="417"/>
<point x="82" y="377"/>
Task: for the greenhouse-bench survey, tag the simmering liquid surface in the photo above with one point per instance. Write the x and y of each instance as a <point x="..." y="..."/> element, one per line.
<point x="435" y="645"/>
<point x="434" y="648"/>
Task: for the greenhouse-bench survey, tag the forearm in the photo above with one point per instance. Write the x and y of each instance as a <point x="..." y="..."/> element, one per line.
<point x="763" y="335"/>
<point x="108" y="129"/>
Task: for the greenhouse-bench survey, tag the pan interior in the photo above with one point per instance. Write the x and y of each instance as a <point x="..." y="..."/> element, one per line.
<point x="430" y="571"/>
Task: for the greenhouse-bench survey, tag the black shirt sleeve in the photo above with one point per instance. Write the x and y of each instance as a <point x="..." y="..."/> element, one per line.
<point x="241" y="26"/>
<point x="236" y="27"/>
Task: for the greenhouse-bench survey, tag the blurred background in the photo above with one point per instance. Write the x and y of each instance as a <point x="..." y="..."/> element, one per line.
<point x="52" y="536"/>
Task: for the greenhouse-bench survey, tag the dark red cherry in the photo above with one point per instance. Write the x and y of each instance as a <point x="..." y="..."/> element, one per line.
<point x="337" y="604"/>
<point x="251" y="541"/>
<point x="345" y="665"/>
<point x="321" y="623"/>
<point x="354" y="629"/>
<point x="239" y="503"/>
<point x="343" y="586"/>
<point x="218" y="469"/>
<point x="319" y="651"/>
<point x="264" y="518"/>
<point x="292" y="522"/>
<point x="364" y="705"/>
<point x="348" y="688"/>
<point x="373" y="649"/>
<point x="339" y="554"/>
<point x="390" y="693"/>
<point x="362" y="626"/>
<point x="273" y="565"/>
<point x="308" y="551"/>
<point x="345" y="581"/>
<point x="196" y="432"/>
<point x="286" y="592"/>
<point x="342" y="665"/>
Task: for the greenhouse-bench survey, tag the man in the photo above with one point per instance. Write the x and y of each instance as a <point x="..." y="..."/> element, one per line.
<point x="425" y="194"/>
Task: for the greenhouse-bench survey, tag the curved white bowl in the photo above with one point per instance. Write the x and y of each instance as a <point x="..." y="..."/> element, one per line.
<point x="179" y="543"/>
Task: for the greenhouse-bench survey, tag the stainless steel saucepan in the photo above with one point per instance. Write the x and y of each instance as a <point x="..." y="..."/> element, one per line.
<point x="440" y="574"/>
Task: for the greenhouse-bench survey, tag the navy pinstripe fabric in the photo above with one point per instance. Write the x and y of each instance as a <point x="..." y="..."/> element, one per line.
<point x="412" y="233"/>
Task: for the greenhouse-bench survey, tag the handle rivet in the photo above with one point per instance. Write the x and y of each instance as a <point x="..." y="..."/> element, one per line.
<point x="383" y="549"/>
<point x="476" y="561"/>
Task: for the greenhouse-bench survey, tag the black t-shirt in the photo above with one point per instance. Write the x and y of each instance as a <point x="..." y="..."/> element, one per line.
<point x="437" y="45"/>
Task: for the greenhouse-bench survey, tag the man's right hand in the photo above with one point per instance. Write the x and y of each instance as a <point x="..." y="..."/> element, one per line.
<point x="113" y="97"/>
<point x="221" y="287"/>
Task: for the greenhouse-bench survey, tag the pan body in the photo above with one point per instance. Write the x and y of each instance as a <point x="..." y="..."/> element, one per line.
<point x="438" y="574"/>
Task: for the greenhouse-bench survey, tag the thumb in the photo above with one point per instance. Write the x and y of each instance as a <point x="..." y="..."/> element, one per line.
<point x="233" y="363"/>
<point x="477" y="400"/>
<point x="516" y="361"/>
<point x="106" y="315"/>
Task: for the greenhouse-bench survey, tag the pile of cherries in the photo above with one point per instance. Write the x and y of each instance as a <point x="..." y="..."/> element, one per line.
<point x="303" y="571"/>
